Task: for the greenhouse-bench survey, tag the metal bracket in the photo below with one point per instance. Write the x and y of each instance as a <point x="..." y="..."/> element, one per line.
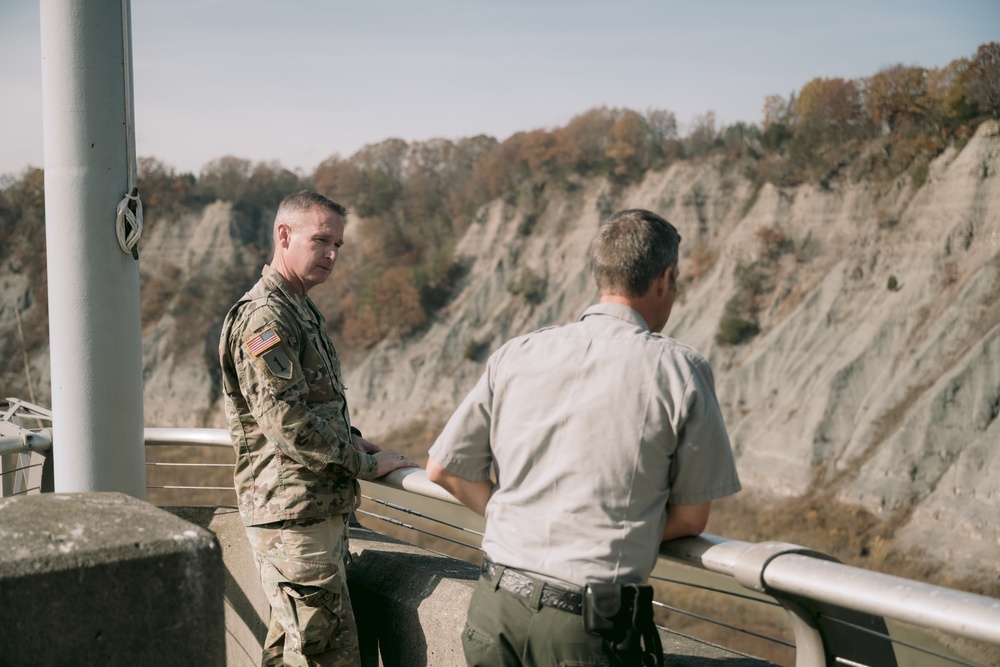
<point x="750" y="566"/>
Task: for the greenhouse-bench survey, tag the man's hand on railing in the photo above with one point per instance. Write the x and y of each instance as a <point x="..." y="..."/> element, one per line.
<point x="388" y="460"/>
<point x="363" y="445"/>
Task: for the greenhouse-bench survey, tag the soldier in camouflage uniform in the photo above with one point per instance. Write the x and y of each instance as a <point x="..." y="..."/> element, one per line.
<point x="297" y="455"/>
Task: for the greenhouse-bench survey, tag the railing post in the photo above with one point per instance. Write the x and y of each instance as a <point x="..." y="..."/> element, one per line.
<point x="749" y="571"/>
<point x="809" y="649"/>
<point x="48" y="481"/>
<point x="823" y="632"/>
<point x="19" y="469"/>
<point x="6" y="477"/>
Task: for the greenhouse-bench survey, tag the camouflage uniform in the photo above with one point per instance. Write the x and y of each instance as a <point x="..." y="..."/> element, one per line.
<point x="296" y="468"/>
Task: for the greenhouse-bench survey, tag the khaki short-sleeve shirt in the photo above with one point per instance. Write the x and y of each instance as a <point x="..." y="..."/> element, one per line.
<point x="590" y="429"/>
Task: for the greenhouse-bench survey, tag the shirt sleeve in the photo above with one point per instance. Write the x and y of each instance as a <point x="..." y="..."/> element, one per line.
<point x="463" y="448"/>
<point x="703" y="468"/>
<point x="276" y="389"/>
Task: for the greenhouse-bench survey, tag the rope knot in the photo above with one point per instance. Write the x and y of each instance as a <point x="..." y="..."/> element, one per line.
<point x="129" y="223"/>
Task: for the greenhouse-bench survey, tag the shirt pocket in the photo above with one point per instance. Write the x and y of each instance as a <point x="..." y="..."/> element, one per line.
<point x="322" y="377"/>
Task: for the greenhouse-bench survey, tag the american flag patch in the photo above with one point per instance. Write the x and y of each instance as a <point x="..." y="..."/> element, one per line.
<point x="263" y="342"/>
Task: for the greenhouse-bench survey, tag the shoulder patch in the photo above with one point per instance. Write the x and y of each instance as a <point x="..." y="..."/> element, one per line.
<point x="278" y="363"/>
<point x="263" y="342"/>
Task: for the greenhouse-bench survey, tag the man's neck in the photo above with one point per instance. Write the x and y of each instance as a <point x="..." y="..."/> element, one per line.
<point x="279" y="266"/>
<point x="630" y="302"/>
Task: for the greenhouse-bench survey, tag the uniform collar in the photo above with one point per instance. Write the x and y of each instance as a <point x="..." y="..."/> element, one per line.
<point x="617" y="311"/>
<point x="278" y="281"/>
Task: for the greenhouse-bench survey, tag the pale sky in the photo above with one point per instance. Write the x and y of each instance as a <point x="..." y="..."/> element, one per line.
<point x="299" y="81"/>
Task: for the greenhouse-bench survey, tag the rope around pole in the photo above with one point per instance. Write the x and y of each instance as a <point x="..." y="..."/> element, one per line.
<point x="129" y="224"/>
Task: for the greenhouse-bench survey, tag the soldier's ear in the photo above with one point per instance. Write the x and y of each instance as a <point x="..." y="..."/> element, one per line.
<point x="284" y="234"/>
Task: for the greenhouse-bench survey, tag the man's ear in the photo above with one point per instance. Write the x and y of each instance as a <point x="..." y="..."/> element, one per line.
<point x="662" y="282"/>
<point x="283" y="234"/>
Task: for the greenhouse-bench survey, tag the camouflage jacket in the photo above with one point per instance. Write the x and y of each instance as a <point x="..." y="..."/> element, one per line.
<point x="286" y="408"/>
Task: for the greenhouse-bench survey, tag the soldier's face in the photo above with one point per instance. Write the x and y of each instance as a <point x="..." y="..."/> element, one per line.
<point x="311" y="248"/>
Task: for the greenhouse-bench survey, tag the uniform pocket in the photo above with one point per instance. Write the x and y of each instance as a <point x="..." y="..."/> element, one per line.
<point x="317" y="615"/>
<point x="478" y="645"/>
<point x="318" y="540"/>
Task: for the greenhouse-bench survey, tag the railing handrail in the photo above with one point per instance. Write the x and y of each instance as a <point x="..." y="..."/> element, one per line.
<point x="210" y="437"/>
<point x="775" y="569"/>
<point x="795" y="570"/>
<point x="765" y="567"/>
<point x="413" y="480"/>
<point x="23" y="443"/>
<point x="791" y="570"/>
<point x="14" y="437"/>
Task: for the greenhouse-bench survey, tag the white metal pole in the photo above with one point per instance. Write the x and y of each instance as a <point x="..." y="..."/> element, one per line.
<point x="94" y="328"/>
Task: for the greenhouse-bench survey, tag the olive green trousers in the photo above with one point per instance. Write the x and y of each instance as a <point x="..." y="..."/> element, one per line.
<point x="504" y="629"/>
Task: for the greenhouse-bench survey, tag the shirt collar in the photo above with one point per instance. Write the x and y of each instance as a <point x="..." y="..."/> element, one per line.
<point x="617" y="311"/>
<point x="279" y="282"/>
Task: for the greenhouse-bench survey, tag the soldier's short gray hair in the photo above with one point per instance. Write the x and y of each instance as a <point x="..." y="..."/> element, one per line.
<point x="630" y="250"/>
<point x="300" y="202"/>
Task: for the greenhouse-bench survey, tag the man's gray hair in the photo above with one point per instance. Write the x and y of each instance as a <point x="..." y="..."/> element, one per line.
<point x="630" y="250"/>
<point x="300" y="202"/>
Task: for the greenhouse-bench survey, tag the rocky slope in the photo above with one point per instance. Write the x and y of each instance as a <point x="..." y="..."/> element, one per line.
<point x="875" y="376"/>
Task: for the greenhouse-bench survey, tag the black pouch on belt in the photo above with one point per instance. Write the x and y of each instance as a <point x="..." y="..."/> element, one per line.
<point x="603" y="611"/>
<point x="622" y="614"/>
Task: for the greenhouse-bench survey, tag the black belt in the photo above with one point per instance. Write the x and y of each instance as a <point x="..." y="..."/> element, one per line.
<point x="523" y="585"/>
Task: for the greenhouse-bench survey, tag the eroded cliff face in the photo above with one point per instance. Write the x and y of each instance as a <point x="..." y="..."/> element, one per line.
<point x="875" y="377"/>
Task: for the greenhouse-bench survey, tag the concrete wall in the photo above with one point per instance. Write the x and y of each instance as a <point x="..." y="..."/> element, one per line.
<point x="245" y="608"/>
<point x="410" y="604"/>
<point x="105" y="579"/>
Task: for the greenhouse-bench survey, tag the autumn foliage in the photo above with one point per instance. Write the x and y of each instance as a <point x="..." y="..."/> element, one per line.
<point x="411" y="202"/>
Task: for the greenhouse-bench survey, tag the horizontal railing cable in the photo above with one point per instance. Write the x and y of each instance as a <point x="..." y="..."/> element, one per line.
<point x="192" y="488"/>
<point x="396" y="522"/>
<point x="191" y="465"/>
<point x="691" y="614"/>
<point x="723" y="624"/>
<point x="849" y="663"/>
<point x="713" y="589"/>
<point x="21" y="469"/>
<point x="413" y="512"/>
<point x="785" y="569"/>
<point x="25" y="491"/>
<point x="902" y="642"/>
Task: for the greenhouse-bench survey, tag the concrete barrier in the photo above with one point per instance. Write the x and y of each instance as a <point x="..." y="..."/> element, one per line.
<point x="410" y="603"/>
<point x="105" y="579"/>
<point x="246" y="611"/>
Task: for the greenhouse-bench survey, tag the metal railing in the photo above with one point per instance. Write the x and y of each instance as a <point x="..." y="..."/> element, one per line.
<point x="25" y="452"/>
<point x="203" y="437"/>
<point x="839" y="614"/>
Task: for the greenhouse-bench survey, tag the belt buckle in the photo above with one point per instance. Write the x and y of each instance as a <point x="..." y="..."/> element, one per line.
<point x="517" y="583"/>
<point x="488" y="568"/>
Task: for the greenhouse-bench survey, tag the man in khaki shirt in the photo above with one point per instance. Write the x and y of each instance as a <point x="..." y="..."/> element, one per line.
<point x="297" y="455"/>
<point x="585" y="446"/>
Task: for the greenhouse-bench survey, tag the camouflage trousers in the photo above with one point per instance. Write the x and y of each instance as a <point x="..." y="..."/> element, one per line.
<point x="301" y="565"/>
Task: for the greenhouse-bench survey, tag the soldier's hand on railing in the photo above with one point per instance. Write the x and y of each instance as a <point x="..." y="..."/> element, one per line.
<point x="363" y="445"/>
<point x="389" y="460"/>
